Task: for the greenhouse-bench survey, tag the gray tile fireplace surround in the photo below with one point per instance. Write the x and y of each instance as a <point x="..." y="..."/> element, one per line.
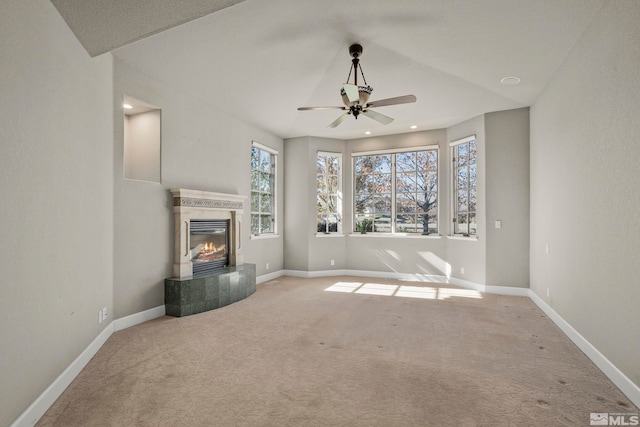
<point x="183" y="297"/>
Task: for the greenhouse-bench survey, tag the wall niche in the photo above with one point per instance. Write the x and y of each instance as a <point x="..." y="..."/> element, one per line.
<point x="142" y="140"/>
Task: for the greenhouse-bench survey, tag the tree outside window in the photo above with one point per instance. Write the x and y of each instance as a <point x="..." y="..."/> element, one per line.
<point x="464" y="188"/>
<point x="417" y="192"/>
<point x="329" y="192"/>
<point x="263" y="168"/>
<point x="396" y="192"/>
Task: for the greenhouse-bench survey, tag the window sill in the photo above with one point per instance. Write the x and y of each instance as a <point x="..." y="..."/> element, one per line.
<point x="397" y="235"/>
<point x="329" y="235"/>
<point x="468" y="238"/>
<point x="264" y="236"/>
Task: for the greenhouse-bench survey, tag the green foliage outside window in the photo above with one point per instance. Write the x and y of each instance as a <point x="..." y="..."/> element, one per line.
<point x="263" y="165"/>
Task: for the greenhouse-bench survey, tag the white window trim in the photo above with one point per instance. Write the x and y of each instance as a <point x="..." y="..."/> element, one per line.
<point x="393" y="233"/>
<point x="340" y="194"/>
<point x="264" y="236"/>
<point x="329" y="235"/>
<point x="452" y="235"/>
<point x="275" y="234"/>
<point x="463" y="140"/>
<point x="264" y="147"/>
<point x="472" y="238"/>
<point x="397" y="150"/>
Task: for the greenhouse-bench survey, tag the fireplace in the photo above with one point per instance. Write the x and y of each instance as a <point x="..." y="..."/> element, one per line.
<point x="209" y="268"/>
<point x="208" y="230"/>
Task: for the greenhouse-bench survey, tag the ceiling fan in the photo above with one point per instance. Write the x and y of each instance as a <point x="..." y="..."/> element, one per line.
<point x="356" y="98"/>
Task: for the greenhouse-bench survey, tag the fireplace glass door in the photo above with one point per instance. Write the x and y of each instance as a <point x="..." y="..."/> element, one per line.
<point x="208" y="249"/>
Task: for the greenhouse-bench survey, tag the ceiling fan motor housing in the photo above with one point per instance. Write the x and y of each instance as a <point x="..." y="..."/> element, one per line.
<point x="355" y="50"/>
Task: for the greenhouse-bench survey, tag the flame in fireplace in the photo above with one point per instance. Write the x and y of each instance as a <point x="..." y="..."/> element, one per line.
<point x="209" y="251"/>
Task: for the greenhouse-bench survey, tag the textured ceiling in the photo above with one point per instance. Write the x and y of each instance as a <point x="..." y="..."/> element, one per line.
<point x="102" y="26"/>
<point x="260" y="60"/>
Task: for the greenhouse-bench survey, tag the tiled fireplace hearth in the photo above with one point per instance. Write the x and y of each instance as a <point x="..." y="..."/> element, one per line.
<point x="208" y="263"/>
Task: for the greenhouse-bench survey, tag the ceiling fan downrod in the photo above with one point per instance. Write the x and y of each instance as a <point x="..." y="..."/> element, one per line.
<point x="355" y="50"/>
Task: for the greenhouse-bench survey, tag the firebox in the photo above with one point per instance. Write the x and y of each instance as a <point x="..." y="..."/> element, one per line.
<point x="209" y="242"/>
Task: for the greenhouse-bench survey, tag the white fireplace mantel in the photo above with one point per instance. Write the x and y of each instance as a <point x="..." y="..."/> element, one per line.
<point x="197" y="204"/>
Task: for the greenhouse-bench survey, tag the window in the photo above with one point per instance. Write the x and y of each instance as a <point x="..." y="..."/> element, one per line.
<point x="396" y="192"/>
<point x="464" y="186"/>
<point x="263" y="189"/>
<point x="329" y="192"/>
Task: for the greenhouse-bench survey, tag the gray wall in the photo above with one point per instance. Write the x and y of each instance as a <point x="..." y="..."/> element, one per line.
<point x="507" y="197"/>
<point x="202" y="149"/>
<point x="56" y="200"/>
<point x="296" y="203"/>
<point x="584" y="187"/>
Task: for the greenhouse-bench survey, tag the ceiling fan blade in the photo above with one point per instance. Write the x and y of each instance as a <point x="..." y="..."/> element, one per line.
<point x="339" y="120"/>
<point x="321" y="108"/>
<point x="380" y="118"/>
<point x="352" y="93"/>
<point x="406" y="99"/>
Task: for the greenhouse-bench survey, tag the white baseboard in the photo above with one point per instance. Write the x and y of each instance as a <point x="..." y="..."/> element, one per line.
<point x="507" y="290"/>
<point x="313" y="274"/>
<point x="631" y="390"/>
<point x="38" y="408"/>
<point x="268" y="277"/>
<point x="398" y="276"/>
<point x="137" y="318"/>
<point x="417" y="277"/>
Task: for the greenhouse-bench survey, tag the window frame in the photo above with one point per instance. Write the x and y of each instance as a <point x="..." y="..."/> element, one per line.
<point x="454" y="146"/>
<point x="274" y="194"/>
<point x="339" y="194"/>
<point x="394" y="195"/>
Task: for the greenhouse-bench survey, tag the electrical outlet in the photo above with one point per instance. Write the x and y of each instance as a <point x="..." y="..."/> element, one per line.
<point x="461" y="270"/>
<point x="498" y="223"/>
<point x="104" y="313"/>
<point x="267" y="266"/>
<point x="99" y="316"/>
<point x="333" y="262"/>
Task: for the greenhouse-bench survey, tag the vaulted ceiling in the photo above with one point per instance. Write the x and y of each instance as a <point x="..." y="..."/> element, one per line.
<point x="260" y="60"/>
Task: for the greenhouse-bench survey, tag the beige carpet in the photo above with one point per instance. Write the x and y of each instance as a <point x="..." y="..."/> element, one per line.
<point x="343" y="351"/>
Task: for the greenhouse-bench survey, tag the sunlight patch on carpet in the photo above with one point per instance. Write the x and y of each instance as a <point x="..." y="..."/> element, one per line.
<point x="423" y="292"/>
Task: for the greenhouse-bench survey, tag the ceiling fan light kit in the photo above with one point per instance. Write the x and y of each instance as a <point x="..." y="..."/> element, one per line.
<point x="356" y="97"/>
<point x="362" y="94"/>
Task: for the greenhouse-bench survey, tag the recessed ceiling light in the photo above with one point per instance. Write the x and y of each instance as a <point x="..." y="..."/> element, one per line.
<point x="414" y="127"/>
<point x="368" y="132"/>
<point x="127" y="106"/>
<point x="510" y="81"/>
